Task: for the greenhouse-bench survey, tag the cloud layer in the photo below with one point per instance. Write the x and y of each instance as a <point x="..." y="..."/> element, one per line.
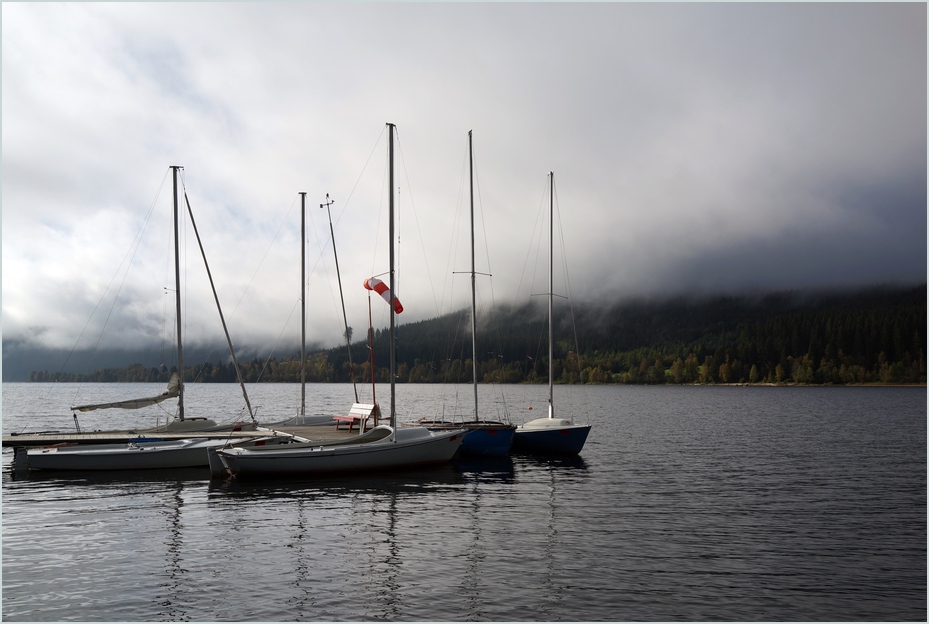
<point x="695" y="147"/>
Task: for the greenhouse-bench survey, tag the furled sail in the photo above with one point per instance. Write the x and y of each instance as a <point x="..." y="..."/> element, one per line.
<point x="174" y="389"/>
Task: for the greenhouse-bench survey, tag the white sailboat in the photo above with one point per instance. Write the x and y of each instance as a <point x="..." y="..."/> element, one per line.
<point x="145" y="451"/>
<point x="183" y="423"/>
<point x="489" y="438"/>
<point x="550" y="434"/>
<point x="381" y="447"/>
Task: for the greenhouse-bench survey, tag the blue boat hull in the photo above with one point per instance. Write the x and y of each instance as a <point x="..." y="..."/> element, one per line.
<point x="488" y="442"/>
<point x="485" y="438"/>
<point x="561" y="441"/>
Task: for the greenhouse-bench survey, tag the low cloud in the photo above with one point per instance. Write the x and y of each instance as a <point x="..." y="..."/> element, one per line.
<point x="695" y="148"/>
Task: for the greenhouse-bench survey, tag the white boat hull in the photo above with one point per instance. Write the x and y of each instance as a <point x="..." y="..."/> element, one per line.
<point x="413" y="446"/>
<point x="132" y="456"/>
<point x="550" y="435"/>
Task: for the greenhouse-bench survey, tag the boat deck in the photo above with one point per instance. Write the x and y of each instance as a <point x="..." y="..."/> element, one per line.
<point x="50" y="438"/>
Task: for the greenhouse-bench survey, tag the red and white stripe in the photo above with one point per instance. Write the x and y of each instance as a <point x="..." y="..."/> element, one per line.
<point x="372" y="283"/>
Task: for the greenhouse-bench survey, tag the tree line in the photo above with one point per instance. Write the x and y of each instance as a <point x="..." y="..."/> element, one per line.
<point x="874" y="336"/>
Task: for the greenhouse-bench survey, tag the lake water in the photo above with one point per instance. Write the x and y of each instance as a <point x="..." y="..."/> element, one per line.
<point x="687" y="503"/>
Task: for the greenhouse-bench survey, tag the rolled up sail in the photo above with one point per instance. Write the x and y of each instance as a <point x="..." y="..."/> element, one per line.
<point x="174" y="389"/>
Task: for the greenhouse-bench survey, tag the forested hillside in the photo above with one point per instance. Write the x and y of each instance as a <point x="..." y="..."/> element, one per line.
<point x="876" y="336"/>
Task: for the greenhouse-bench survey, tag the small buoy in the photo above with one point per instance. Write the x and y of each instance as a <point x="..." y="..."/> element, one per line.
<point x="530" y="407"/>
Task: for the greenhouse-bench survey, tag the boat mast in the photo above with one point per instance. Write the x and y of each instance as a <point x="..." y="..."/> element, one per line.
<point x="177" y="297"/>
<point x="348" y="338"/>
<point x="551" y="291"/>
<point x="473" y="286"/>
<point x="393" y="349"/>
<point x="303" y="301"/>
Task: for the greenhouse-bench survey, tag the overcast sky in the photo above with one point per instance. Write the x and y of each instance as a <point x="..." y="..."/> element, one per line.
<point x="709" y="148"/>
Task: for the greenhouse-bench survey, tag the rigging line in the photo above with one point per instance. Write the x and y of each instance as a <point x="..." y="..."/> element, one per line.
<point x="448" y="286"/>
<point x="319" y="258"/>
<point x="361" y="175"/>
<point x="448" y="369"/>
<point x="183" y="232"/>
<point x="380" y="216"/>
<point x="325" y="269"/>
<point x="336" y="305"/>
<point x="264" y="257"/>
<point x="422" y="240"/>
<point x="493" y="300"/>
<point x="277" y="233"/>
<point x="241" y="380"/>
<point x="449" y="351"/>
<point x="166" y="299"/>
<point x="164" y="312"/>
<point x="564" y="262"/>
<point x="534" y="240"/>
<point x="564" y="255"/>
<point x="201" y="368"/>
<point x="398" y="255"/>
<point x="564" y="259"/>
<point x="462" y="370"/>
<point x="538" y="350"/>
<point x="171" y="337"/>
<point x="130" y="254"/>
<point x="480" y="205"/>
<point x="277" y="342"/>
<point x="537" y="229"/>
<point x="456" y="236"/>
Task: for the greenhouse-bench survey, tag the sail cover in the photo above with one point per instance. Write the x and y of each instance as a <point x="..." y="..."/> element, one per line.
<point x="174" y="389"/>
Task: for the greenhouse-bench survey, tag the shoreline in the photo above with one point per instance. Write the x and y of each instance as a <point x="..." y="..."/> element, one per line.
<point x="783" y="384"/>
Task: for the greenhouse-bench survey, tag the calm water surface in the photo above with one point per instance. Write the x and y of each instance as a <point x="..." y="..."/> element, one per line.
<point x="687" y="503"/>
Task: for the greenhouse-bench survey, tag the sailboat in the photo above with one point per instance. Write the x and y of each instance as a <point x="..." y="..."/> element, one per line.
<point x="550" y="434"/>
<point x="135" y="455"/>
<point x="382" y="447"/>
<point x="144" y="451"/>
<point x="183" y="423"/>
<point x="485" y="437"/>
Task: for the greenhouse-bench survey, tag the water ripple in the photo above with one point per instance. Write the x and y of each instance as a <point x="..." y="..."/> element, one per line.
<point x="686" y="504"/>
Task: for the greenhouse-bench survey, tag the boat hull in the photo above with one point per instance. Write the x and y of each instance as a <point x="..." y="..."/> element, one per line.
<point x="562" y="440"/>
<point x="413" y="447"/>
<point x="483" y="438"/>
<point x="488" y="441"/>
<point x="132" y="456"/>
